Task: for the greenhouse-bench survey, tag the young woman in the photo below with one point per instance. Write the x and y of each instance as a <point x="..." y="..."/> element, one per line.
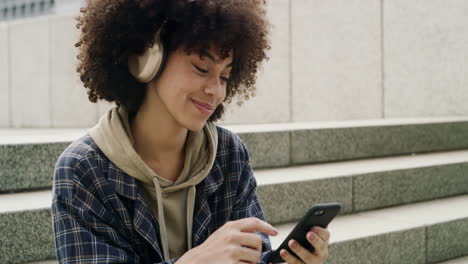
<point x="156" y="181"/>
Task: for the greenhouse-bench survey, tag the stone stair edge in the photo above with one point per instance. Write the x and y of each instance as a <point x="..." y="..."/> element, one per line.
<point x="280" y="148"/>
<point x="361" y="189"/>
<point x="461" y="260"/>
<point x="46" y="135"/>
<point x="349" y="168"/>
<point x="404" y="229"/>
<point x="359" y="185"/>
<point x="25" y="201"/>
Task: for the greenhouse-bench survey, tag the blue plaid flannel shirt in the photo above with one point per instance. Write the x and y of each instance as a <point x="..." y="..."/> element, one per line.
<point x="100" y="215"/>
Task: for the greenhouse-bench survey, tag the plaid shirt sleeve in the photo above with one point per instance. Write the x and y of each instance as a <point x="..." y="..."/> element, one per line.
<point x="248" y="205"/>
<point x="84" y="232"/>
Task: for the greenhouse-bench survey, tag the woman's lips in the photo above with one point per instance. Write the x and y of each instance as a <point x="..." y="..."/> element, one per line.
<point x="201" y="108"/>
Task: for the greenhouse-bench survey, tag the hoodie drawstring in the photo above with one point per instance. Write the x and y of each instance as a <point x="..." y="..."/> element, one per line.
<point x="162" y="221"/>
<point x="190" y="207"/>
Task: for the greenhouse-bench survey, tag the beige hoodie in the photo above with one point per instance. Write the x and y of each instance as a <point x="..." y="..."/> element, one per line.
<point x="172" y="202"/>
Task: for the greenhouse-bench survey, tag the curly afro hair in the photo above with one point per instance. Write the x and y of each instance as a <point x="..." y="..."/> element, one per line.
<point x="112" y="30"/>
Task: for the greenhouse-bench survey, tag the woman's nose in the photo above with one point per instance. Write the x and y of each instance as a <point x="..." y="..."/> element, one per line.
<point x="214" y="87"/>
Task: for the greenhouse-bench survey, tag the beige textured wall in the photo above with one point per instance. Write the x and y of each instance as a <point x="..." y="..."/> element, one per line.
<point x="331" y="60"/>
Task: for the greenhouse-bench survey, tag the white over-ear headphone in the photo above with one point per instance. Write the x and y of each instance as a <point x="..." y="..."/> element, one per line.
<point x="148" y="66"/>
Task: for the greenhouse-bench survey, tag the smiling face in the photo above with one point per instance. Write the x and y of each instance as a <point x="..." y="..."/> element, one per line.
<point x="191" y="86"/>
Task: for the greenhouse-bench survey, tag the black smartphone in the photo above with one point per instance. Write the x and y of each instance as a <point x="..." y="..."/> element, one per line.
<point x="319" y="215"/>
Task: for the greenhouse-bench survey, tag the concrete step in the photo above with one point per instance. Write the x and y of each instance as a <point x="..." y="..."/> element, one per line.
<point x="28" y="156"/>
<point x="462" y="260"/>
<point x="361" y="185"/>
<point x="427" y="232"/>
<point x="279" y="145"/>
<point x="26" y="226"/>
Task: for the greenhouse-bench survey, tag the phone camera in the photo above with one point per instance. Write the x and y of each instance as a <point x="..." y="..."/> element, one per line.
<point x="320" y="212"/>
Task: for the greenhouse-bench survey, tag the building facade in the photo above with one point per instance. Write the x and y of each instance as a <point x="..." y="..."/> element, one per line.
<point x="17" y="9"/>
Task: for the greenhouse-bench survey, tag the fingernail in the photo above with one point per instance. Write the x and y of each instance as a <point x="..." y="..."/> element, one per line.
<point x="275" y="232"/>
<point x="293" y="244"/>
<point x="311" y="235"/>
<point x="283" y="253"/>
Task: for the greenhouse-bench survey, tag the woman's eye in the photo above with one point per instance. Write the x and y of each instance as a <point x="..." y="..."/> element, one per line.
<point x="206" y="71"/>
<point x="200" y="69"/>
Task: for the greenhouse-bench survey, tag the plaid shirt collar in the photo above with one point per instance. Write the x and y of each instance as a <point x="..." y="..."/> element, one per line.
<point x="127" y="186"/>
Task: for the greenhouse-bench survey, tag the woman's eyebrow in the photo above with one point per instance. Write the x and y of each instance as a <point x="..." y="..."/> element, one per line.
<point x="205" y="53"/>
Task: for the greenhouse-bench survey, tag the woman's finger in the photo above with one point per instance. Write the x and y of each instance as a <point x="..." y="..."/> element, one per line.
<point x="249" y="255"/>
<point x="289" y="258"/>
<point x="250" y="240"/>
<point x="320" y="246"/>
<point x="304" y="254"/>
<point x="323" y="233"/>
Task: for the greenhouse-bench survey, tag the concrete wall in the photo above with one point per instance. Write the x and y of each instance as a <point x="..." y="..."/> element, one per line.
<point x="331" y="60"/>
<point x="4" y="78"/>
<point x="426" y="58"/>
<point x="18" y="9"/>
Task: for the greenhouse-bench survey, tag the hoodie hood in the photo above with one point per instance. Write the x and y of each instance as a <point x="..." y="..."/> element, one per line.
<point x="172" y="202"/>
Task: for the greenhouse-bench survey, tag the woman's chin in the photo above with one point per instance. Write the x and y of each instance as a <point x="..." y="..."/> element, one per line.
<point x="195" y="126"/>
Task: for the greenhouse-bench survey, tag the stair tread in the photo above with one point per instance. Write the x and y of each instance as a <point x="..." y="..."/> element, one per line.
<point x="241" y="128"/>
<point x="393" y="219"/>
<point x="17" y="201"/>
<point x="48" y="135"/>
<point x="25" y="201"/>
<point x="38" y="136"/>
<point x="363" y="224"/>
<point x="462" y="260"/>
<point x="356" y="167"/>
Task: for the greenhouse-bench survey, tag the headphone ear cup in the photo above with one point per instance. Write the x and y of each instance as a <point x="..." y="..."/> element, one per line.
<point x="149" y="65"/>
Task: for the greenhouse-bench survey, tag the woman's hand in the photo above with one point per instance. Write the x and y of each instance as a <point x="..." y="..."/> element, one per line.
<point x="319" y="238"/>
<point x="234" y="242"/>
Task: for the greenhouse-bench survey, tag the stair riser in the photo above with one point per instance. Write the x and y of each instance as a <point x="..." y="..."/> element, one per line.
<point x="363" y="192"/>
<point x="447" y="240"/>
<point x="30" y="166"/>
<point x="334" y="144"/>
<point x="383" y="189"/>
<point x="26" y="236"/>
<point x="430" y="244"/>
<point x="289" y="202"/>
<point x="404" y="247"/>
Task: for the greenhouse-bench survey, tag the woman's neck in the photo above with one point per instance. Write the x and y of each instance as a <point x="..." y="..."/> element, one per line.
<point x="157" y="136"/>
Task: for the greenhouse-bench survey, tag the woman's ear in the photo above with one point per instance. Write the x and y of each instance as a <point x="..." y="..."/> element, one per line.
<point x="149" y="66"/>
